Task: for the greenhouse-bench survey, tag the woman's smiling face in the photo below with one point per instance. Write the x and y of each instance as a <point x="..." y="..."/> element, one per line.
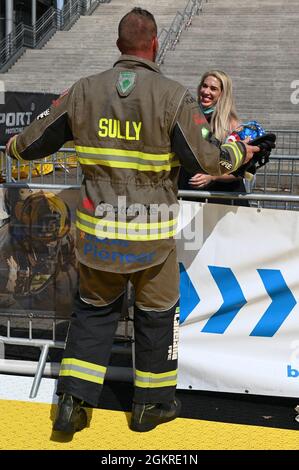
<point x="209" y="91"/>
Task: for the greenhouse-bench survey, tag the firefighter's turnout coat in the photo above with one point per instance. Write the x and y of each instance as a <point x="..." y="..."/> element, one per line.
<point x="132" y="129"/>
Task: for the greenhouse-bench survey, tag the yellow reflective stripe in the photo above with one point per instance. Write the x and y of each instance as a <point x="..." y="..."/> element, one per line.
<point x="129" y="166"/>
<point x="151" y="380"/>
<point x="14" y="150"/>
<point x="81" y="375"/>
<point x="71" y="367"/>
<point x="174" y="161"/>
<point x="237" y="154"/>
<point x="128" y="225"/>
<point x="124" y="153"/>
<point x="119" y="236"/>
<point x="88" y="365"/>
<point x="155" y="385"/>
<point x="126" y="230"/>
<point x="127" y="159"/>
<point x="240" y="156"/>
<point x="170" y="373"/>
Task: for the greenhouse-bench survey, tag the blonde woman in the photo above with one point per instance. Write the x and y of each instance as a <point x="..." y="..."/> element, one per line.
<point x="215" y="98"/>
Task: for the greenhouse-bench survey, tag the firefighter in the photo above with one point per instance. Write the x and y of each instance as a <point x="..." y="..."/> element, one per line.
<point x="132" y="129"/>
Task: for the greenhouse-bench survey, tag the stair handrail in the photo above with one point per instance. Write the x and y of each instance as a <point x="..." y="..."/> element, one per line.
<point x="169" y="38"/>
<point x="52" y="20"/>
<point x="11" y="44"/>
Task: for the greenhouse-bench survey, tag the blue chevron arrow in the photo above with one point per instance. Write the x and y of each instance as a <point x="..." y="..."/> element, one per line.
<point x="188" y="295"/>
<point x="233" y="300"/>
<point x="282" y="304"/>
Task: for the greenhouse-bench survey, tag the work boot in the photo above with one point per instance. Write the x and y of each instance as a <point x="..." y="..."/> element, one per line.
<point x="70" y="416"/>
<point x="147" y="416"/>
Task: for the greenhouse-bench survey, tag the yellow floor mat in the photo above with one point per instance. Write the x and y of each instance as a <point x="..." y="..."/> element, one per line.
<point x="27" y="426"/>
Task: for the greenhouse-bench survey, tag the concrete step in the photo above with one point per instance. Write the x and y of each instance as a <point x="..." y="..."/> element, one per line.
<point x="255" y="42"/>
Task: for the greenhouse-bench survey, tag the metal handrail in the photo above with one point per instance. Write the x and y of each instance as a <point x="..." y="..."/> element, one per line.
<point x="169" y="38"/>
<point x="123" y="346"/>
<point x="27" y="36"/>
<point x="61" y="170"/>
<point x="181" y="193"/>
<point x="52" y="20"/>
<point x="11" y="44"/>
<point x="34" y="34"/>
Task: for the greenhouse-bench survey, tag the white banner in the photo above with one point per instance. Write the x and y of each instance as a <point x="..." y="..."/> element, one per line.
<point x="239" y="300"/>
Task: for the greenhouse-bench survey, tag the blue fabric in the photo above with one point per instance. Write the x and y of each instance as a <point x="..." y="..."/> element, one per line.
<point x="209" y="110"/>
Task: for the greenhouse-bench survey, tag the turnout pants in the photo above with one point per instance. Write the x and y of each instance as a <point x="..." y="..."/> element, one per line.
<point x="94" y="322"/>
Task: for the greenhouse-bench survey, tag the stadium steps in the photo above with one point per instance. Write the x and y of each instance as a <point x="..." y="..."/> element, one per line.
<point x="255" y="42"/>
<point x="87" y="48"/>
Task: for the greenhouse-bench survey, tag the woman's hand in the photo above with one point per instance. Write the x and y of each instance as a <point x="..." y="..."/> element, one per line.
<point x="200" y="180"/>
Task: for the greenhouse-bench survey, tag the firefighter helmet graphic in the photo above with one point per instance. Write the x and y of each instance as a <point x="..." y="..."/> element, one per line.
<point x="42" y="244"/>
<point x="44" y="217"/>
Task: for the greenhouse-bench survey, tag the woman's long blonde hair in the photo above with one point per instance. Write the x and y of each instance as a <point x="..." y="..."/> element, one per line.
<point x="225" y="115"/>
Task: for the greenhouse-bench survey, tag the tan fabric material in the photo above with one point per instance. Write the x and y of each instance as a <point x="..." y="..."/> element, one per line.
<point x="124" y="145"/>
<point x="156" y="288"/>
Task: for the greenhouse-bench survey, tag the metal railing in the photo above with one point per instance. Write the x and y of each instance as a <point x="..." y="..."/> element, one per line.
<point x="60" y="168"/>
<point x="169" y="38"/>
<point x="280" y="175"/>
<point x="24" y="329"/>
<point x="255" y="200"/>
<point x="287" y="141"/>
<point x="276" y="186"/>
<point x="26" y="36"/>
<point x="19" y="329"/>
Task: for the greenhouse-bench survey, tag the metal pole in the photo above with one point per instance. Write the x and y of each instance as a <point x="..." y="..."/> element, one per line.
<point x="18" y="367"/>
<point x="39" y="371"/>
<point x="8" y="170"/>
<point x="8" y="17"/>
<point x="59" y="9"/>
<point x="33" y="20"/>
<point x="8" y="26"/>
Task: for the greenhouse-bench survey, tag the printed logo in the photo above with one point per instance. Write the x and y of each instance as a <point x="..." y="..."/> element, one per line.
<point x="57" y="102"/>
<point x="15" y="122"/>
<point x="88" y="204"/>
<point x="173" y="348"/>
<point x="198" y="119"/>
<point x="43" y="114"/>
<point x="282" y="301"/>
<point x="189" y="99"/>
<point x="227" y="165"/>
<point x="294" y="98"/>
<point x="106" y="249"/>
<point x="205" y="132"/>
<point x="189" y="298"/>
<point x="126" y="83"/>
<point x="292" y="372"/>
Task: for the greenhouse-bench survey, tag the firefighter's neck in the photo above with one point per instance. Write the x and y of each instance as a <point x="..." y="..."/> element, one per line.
<point x="148" y="54"/>
<point x="144" y="55"/>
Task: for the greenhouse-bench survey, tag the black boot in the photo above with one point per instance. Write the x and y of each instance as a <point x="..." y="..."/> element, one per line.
<point x="70" y="416"/>
<point x="147" y="416"/>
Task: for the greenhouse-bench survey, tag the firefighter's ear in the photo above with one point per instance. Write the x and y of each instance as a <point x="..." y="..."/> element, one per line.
<point x="155" y="47"/>
<point x="118" y="43"/>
